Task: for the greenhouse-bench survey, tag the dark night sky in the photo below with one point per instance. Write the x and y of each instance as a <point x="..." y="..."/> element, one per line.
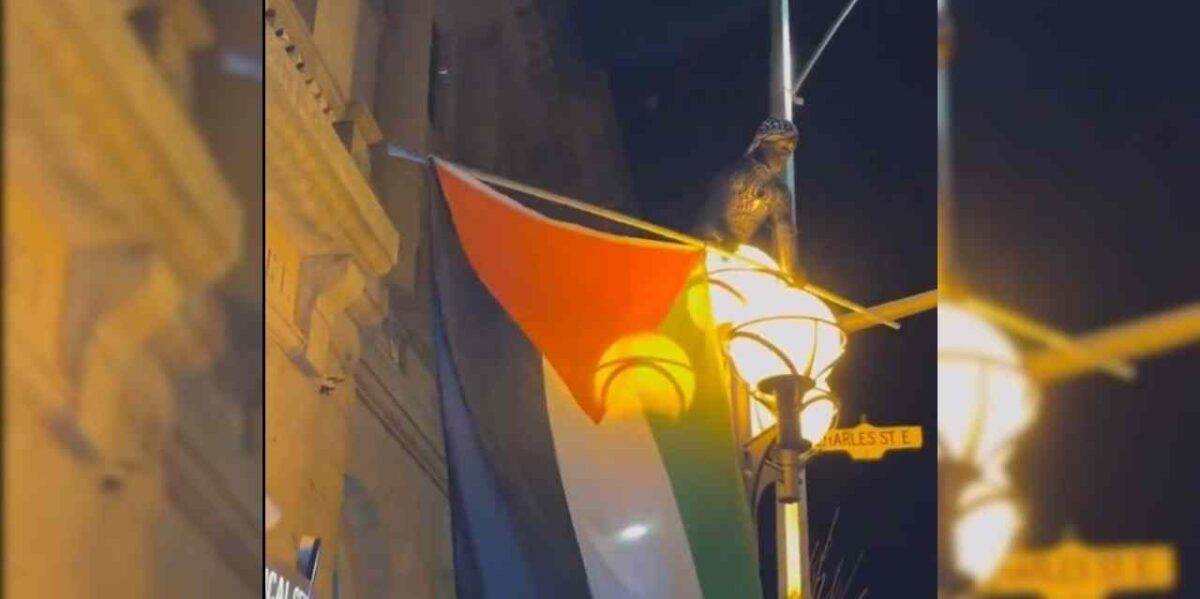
<point x="691" y="87"/>
<point x="1078" y="133"/>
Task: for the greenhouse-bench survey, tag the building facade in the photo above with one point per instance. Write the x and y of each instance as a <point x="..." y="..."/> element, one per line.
<point x="355" y="458"/>
<point x="133" y="299"/>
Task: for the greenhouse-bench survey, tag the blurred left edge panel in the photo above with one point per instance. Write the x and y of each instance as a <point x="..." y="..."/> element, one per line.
<point x="133" y="298"/>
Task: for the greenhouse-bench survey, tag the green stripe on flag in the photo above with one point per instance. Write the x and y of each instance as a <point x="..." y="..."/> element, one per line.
<point x="701" y="458"/>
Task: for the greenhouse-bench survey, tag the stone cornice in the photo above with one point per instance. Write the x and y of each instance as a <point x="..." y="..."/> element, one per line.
<point x="86" y="93"/>
<point x="328" y="238"/>
<point x="314" y="187"/>
<point x="118" y="225"/>
<point x="285" y="22"/>
<point x="117" y="220"/>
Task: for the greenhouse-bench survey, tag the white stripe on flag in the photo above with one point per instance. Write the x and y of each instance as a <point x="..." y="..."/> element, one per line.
<point x="621" y="501"/>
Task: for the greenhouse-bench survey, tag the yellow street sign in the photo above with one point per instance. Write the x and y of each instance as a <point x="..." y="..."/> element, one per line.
<point x="1072" y="570"/>
<point x="866" y="442"/>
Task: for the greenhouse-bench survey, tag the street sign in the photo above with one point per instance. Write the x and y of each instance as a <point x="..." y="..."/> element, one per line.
<point x="284" y="583"/>
<point x="867" y="442"/>
<point x="1072" y="570"/>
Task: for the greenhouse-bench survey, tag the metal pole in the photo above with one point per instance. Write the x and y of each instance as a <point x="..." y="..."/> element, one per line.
<point x="901" y="308"/>
<point x="808" y="66"/>
<point x="949" y="584"/>
<point x="780" y="95"/>
<point x="945" y="176"/>
<point x="580" y="205"/>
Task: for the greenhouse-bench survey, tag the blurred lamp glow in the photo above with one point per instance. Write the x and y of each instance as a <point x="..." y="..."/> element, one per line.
<point x="644" y="373"/>
<point x="984" y="397"/>
<point x="785" y="331"/>
<point x="984" y="536"/>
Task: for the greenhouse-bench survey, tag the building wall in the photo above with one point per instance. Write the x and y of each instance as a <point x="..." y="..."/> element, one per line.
<point x="361" y="465"/>
<point x="329" y="244"/>
<point x="132" y="381"/>
<point x="135" y="260"/>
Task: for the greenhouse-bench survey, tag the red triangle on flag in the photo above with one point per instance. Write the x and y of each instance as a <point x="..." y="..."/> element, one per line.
<point x="572" y="290"/>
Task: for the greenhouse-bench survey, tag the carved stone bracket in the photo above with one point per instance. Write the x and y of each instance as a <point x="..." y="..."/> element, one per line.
<point x="113" y="359"/>
<point x="118" y="221"/>
<point x="118" y="225"/>
<point x="109" y="324"/>
<point x="334" y="283"/>
<point x="329" y="240"/>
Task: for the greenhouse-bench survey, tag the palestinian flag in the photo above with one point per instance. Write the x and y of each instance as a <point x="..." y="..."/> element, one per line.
<point x="585" y="408"/>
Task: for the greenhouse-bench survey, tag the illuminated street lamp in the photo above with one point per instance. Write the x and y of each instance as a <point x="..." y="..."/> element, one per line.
<point x="782" y="341"/>
<point x="985" y="401"/>
<point x="739" y="292"/>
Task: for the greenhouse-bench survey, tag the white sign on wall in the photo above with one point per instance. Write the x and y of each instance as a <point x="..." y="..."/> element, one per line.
<point x="280" y="587"/>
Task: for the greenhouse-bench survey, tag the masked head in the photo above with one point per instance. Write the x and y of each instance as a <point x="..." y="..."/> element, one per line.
<point x="774" y="142"/>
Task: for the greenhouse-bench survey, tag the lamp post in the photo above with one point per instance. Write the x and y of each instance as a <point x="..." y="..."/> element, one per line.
<point x="780" y="352"/>
<point x="985" y="401"/>
<point x="780" y="97"/>
<point x="782" y="343"/>
<point x="945" y="178"/>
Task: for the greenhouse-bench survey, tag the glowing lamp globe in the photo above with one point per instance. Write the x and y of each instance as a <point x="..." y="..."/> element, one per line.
<point x="818" y="413"/>
<point x="984" y="398"/>
<point x="645" y="373"/>
<point x="817" y="419"/>
<point x="785" y="332"/>
<point x="733" y="284"/>
<point x="984" y="536"/>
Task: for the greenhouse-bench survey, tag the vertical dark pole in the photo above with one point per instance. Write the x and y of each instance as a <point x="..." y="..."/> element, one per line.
<point x="780" y="99"/>
<point x="780" y="95"/>
<point x="945" y="163"/>
<point x="948" y="473"/>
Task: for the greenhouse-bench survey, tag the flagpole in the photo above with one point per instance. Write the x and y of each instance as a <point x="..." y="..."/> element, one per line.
<point x="636" y="223"/>
<point x="804" y="73"/>
<point x="791" y="546"/>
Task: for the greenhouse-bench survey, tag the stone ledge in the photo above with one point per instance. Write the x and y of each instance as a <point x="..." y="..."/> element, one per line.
<point x="285" y="22"/>
<point x="88" y="94"/>
<point x="326" y="192"/>
<point x="123" y="222"/>
<point x="329" y="239"/>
